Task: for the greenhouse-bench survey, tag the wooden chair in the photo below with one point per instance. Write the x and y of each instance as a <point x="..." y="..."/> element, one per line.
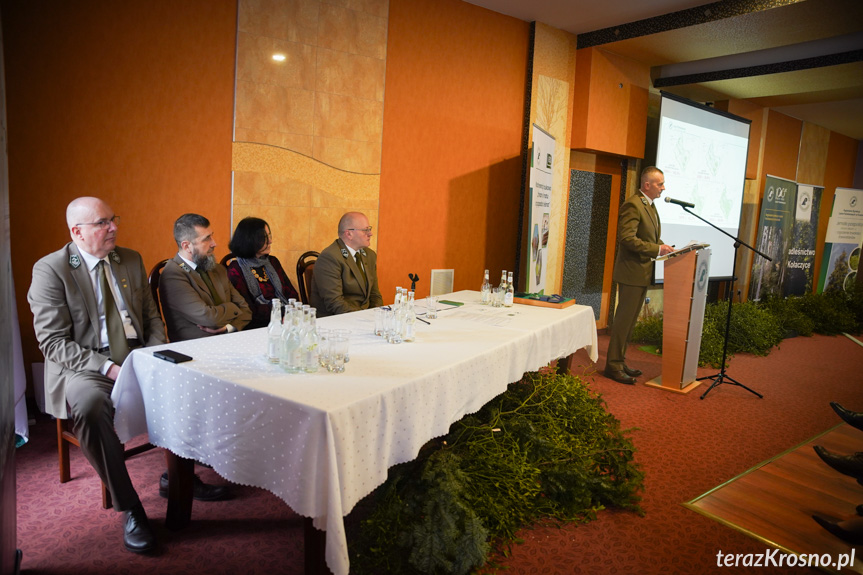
<point x="153" y="279"/>
<point x="65" y="436"/>
<point x="227" y="259"/>
<point x="305" y="274"/>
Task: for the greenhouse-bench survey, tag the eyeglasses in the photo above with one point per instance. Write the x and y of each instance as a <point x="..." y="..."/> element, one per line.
<point x="367" y="230"/>
<point x="103" y="223"/>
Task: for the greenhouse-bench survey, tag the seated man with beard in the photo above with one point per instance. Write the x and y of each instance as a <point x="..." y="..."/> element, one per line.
<point x="198" y="300"/>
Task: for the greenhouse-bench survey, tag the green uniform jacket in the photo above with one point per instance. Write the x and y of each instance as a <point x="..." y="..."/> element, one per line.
<point x="66" y="317"/>
<point x="638" y="237"/>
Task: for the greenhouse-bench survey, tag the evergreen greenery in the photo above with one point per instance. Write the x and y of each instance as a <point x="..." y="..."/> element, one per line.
<point x="753" y="329"/>
<point x="649" y="330"/>
<point x="758" y="326"/>
<point x="831" y="312"/>
<point x="545" y="450"/>
<point x="789" y="313"/>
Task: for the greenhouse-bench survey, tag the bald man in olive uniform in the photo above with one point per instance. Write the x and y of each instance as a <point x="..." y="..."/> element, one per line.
<point x="346" y="273"/>
<point x="79" y="294"/>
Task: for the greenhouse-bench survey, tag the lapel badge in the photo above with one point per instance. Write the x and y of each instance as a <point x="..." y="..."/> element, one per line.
<point x="185" y="267"/>
<point x="74" y="261"/>
<point x="345" y="253"/>
<point x="644" y="201"/>
<point x="362" y="252"/>
<point x="115" y="257"/>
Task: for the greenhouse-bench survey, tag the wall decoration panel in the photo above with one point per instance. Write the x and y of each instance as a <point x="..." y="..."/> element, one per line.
<point x="586" y="234"/>
<point x="308" y="126"/>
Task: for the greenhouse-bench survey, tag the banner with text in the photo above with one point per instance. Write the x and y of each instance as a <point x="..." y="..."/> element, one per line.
<point x="541" y="179"/>
<point x="842" y="244"/>
<point x="775" y="228"/>
<point x="801" y="255"/>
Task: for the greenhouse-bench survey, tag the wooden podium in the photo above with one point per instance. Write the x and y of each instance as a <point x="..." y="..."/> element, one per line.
<point x="684" y="297"/>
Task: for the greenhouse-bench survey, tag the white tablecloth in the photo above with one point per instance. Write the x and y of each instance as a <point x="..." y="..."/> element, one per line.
<point x="323" y="441"/>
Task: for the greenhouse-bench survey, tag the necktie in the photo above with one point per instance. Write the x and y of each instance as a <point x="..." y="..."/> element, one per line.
<point x="655" y="218"/>
<point x="359" y="259"/>
<point x="215" y="295"/>
<point x="117" y="343"/>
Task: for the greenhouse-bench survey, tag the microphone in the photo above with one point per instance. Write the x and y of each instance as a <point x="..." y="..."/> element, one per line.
<point x="679" y="203"/>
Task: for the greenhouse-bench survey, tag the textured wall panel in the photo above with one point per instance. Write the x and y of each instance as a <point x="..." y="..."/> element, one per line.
<point x="586" y="230"/>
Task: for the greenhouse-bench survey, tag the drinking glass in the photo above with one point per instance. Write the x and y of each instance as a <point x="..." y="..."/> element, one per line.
<point x="345" y="333"/>
<point x="496" y="297"/>
<point x="338" y="353"/>
<point x="431" y="307"/>
<point x="380" y="320"/>
<point x="393" y="327"/>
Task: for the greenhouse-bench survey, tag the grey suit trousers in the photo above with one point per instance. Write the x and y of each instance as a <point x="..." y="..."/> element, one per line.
<point x="91" y="410"/>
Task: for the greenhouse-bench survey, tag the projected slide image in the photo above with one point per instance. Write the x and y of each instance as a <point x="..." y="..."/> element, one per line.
<point x="701" y="170"/>
<point x="702" y="154"/>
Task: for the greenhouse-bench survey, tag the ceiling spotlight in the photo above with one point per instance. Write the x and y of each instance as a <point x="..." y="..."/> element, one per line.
<point x="279" y="57"/>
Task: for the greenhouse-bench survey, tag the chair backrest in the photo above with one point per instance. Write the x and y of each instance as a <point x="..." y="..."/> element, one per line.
<point x="227" y="259"/>
<point x="305" y="273"/>
<point x="155" y="276"/>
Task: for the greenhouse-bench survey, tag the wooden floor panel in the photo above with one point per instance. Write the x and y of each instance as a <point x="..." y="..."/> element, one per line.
<point x="774" y="502"/>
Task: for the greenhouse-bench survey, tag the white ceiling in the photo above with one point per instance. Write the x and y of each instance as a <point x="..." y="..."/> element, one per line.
<point x="771" y="40"/>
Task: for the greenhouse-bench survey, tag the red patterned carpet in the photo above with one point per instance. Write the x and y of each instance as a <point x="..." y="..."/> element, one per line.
<point x="686" y="446"/>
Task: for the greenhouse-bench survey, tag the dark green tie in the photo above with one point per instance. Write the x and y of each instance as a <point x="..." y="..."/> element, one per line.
<point x="359" y="259"/>
<point x="117" y="343"/>
<point x="215" y="295"/>
<point x="655" y="218"/>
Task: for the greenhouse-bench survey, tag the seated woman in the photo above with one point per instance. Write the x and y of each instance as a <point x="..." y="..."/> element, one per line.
<point x="256" y="274"/>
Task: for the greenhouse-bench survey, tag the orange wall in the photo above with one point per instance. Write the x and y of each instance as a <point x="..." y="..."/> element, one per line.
<point x="610" y="110"/>
<point x="130" y="101"/>
<point x="453" y="122"/>
<point x="755" y="114"/>
<point x="781" y="145"/>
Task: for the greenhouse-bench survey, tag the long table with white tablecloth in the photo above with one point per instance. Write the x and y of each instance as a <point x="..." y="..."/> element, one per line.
<point x="323" y="441"/>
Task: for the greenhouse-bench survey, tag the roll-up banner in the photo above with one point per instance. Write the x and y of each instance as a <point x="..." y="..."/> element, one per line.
<point x="775" y="228"/>
<point x="799" y="273"/>
<point x="841" y="259"/>
<point x="541" y="179"/>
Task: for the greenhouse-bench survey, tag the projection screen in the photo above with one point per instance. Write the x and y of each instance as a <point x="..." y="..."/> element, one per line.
<point x="702" y="153"/>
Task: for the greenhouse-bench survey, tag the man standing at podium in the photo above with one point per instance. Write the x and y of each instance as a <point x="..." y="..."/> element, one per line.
<point x="638" y="237"/>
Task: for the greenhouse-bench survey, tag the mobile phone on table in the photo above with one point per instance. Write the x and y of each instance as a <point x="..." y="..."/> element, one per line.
<point x="172" y="356"/>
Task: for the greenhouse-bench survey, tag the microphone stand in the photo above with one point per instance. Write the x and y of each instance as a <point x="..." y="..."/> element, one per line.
<point x="723" y="377"/>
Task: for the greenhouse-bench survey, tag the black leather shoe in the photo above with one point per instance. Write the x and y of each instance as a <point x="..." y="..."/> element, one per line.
<point x="138" y="537"/>
<point x="200" y="491"/>
<point x="619" y="376"/>
<point x="852" y="418"/>
<point x="631" y="372"/>
<point x="847" y="464"/>
<point x="851" y="532"/>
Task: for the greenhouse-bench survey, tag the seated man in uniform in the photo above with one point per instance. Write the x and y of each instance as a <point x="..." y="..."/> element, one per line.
<point x="91" y="306"/>
<point x="346" y="275"/>
<point x="198" y="299"/>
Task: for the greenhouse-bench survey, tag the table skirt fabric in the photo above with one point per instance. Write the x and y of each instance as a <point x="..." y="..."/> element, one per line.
<point x="323" y="441"/>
